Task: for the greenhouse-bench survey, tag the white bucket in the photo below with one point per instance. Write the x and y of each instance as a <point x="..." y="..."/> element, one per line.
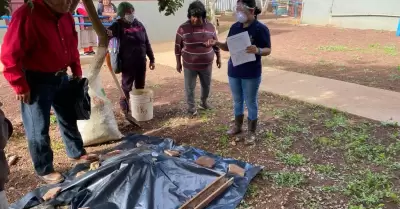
<point x="142" y="104"/>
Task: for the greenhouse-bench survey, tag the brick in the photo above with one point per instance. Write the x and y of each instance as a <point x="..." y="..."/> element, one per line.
<point x="52" y="193"/>
<point x="236" y="170"/>
<point x="205" y="162"/>
<point x="94" y="166"/>
<point x="111" y="154"/>
<point x="172" y="153"/>
<point x="80" y="173"/>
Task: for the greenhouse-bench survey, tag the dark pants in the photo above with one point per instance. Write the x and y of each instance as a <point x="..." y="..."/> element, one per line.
<point x="48" y="90"/>
<point x="133" y="74"/>
<point x="190" y="85"/>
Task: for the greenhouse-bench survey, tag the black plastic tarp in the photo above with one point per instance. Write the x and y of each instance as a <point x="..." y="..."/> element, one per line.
<point x="143" y="177"/>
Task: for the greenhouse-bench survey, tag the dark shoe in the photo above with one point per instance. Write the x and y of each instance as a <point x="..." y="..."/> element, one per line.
<point x="124" y="105"/>
<point x="237" y="128"/>
<point x="251" y="132"/>
<point x="87" y="158"/>
<point x="205" y="106"/>
<point x="52" y="178"/>
<point x="89" y="53"/>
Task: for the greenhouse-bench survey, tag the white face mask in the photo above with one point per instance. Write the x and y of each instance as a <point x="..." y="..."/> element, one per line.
<point x="129" y="17"/>
<point x="241" y="17"/>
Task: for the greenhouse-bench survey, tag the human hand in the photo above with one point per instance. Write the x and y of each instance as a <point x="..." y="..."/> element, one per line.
<point x="252" y="49"/>
<point x="76" y="77"/>
<point x="179" y="67"/>
<point x="218" y="62"/>
<point x="24" y="97"/>
<point x="109" y="32"/>
<point x="111" y="18"/>
<point x="210" y="43"/>
<point x="152" y="66"/>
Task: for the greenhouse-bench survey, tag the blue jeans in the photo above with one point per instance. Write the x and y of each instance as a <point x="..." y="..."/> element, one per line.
<point x="48" y="90"/>
<point x="245" y="90"/>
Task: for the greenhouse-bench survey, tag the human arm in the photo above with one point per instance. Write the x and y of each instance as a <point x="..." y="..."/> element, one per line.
<point x="75" y="64"/>
<point x="263" y="43"/>
<point x="110" y="14"/>
<point x="112" y="31"/>
<point x="217" y="50"/>
<point x="149" y="50"/>
<point x="214" y="43"/>
<point x="178" y="49"/>
<point x="15" y="44"/>
<point x="100" y="9"/>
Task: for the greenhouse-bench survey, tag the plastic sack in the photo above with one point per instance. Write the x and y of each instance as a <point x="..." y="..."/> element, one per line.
<point x="102" y="126"/>
<point x="114" y="50"/>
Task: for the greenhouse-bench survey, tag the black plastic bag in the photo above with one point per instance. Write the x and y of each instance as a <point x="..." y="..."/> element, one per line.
<point x="80" y="92"/>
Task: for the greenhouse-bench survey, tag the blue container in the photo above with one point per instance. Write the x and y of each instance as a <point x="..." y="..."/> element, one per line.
<point x="398" y="29"/>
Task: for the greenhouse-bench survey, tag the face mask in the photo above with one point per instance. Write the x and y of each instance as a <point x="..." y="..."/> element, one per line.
<point x="129" y="17"/>
<point x="241" y="17"/>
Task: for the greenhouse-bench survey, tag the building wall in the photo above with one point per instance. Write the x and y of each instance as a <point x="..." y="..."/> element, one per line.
<point x="360" y="14"/>
<point x="160" y="28"/>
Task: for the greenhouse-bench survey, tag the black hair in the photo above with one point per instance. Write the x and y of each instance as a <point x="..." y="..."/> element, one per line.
<point x="252" y="4"/>
<point x="197" y="9"/>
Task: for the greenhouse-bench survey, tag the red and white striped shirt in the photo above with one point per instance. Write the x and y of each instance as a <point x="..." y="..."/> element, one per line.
<point x="189" y="44"/>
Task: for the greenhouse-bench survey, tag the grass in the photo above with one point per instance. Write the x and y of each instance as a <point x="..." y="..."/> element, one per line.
<point x="369" y="189"/>
<point x="291" y="159"/>
<point x="327" y="170"/>
<point x="286" y="179"/>
<point x="53" y="119"/>
<point x="389" y="49"/>
<point x="333" y="48"/>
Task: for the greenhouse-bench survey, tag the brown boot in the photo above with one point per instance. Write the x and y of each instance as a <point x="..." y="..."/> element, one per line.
<point x="52" y="178"/>
<point x="237" y="128"/>
<point x="251" y="132"/>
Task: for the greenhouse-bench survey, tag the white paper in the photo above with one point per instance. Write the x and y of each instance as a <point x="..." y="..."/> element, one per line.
<point x="237" y="45"/>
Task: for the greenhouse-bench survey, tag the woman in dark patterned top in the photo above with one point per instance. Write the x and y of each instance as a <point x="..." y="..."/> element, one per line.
<point x="197" y="58"/>
<point x="134" y="45"/>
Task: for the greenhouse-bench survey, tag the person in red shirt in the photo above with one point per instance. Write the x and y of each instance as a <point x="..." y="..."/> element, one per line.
<point x="40" y="44"/>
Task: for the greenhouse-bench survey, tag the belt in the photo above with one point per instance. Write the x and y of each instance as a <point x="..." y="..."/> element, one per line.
<point x="60" y="73"/>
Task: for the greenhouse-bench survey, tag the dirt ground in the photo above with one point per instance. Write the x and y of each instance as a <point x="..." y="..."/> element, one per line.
<point x="366" y="57"/>
<point x="313" y="157"/>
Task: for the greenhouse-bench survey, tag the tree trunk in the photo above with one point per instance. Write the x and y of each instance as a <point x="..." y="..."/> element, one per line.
<point x="101" y="53"/>
<point x="265" y="6"/>
<point x="210" y="4"/>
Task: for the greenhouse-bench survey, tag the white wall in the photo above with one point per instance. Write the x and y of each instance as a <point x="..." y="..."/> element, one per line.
<point x="316" y="12"/>
<point x="360" y="14"/>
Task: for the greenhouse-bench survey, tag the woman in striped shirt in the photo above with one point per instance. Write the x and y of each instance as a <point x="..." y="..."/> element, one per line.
<point x="197" y="58"/>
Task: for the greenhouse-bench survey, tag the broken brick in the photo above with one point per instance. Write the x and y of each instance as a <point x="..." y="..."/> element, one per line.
<point x="12" y="160"/>
<point x="94" y="166"/>
<point x="80" y="173"/>
<point x="235" y="169"/>
<point x="52" y="193"/>
<point x="205" y="162"/>
<point x="111" y="154"/>
<point x="172" y="153"/>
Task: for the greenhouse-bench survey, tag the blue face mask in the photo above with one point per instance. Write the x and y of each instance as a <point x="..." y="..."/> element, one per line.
<point x="241" y="17"/>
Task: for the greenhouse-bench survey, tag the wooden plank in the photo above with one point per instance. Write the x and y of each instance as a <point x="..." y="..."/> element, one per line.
<point x="208" y="194"/>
